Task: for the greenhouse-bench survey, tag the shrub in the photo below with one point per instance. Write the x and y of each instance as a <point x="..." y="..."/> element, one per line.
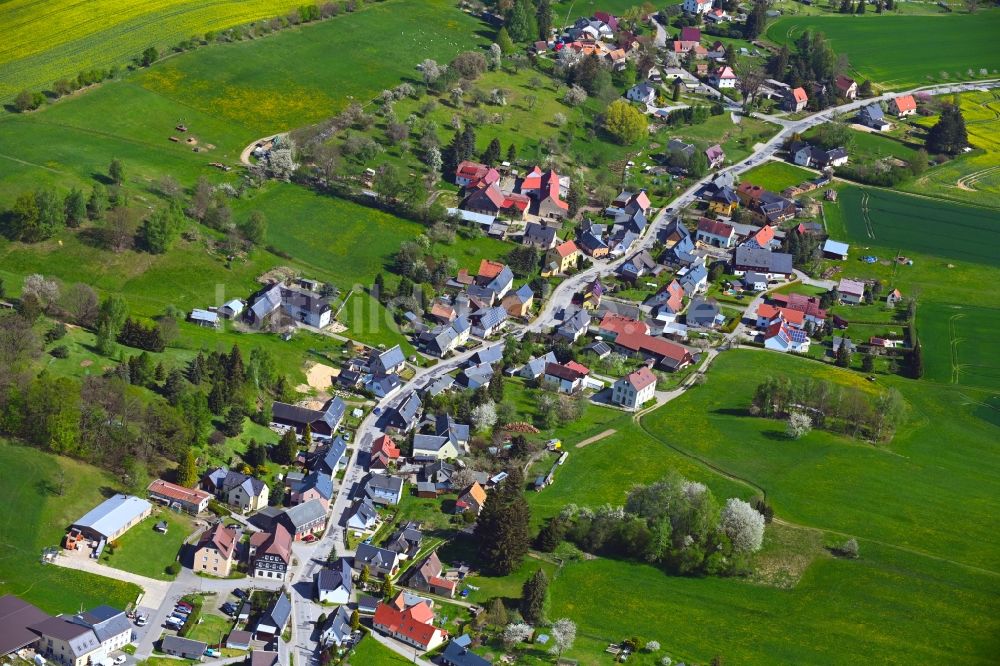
<point x="62" y="351"/>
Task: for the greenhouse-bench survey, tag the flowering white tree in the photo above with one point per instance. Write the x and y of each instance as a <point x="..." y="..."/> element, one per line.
<point x="743" y="524"/>
<point x="496" y="53"/>
<point x="666" y="661"/>
<point x="485" y="415"/>
<point x="575" y="96"/>
<point x="652" y="646"/>
<point x="516" y="632"/>
<point x="45" y="290"/>
<point x="434" y="160"/>
<point x="431" y="70"/>
<point x="799" y="425"/>
<point x="563" y="636"/>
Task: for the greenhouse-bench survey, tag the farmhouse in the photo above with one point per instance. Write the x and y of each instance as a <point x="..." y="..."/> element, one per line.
<point x="835" y="249"/>
<point x="635" y="389"/>
<point x="108" y="520"/>
<point x="784" y="338"/>
<point x="215" y="550"/>
<point x="188" y="499"/>
<point x="564" y="378"/>
<point x="808" y="155"/>
<point x="304" y="519"/>
<point x="471" y="499"/>
<point x="642" y="93"/>
<point x="723" y="78"/>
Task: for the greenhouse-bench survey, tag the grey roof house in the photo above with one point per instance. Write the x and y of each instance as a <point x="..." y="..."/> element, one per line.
<point x="382" y="488"/>
<point x="379" y="561"/>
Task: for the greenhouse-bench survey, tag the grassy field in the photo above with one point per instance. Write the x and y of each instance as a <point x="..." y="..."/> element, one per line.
<point x="144" y="551"/>
<point x="776" y="176"/>
<point x="973" y="177"/>
<point x="959" y="344"/>
<point x="35" y="517"/>
<point x="55" y="39"/>
<point x="370" y="652"/>
<point x="736" y="139"/>
<point x="927" y="565"/>
<point x="210" y="630"/>
<point x="881" y="47"/>
<point x="918" y="224"/>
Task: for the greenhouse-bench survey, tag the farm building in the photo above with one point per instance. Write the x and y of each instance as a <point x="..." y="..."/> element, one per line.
<point x="108" y="520"/>
<point x="15" y="618"/>
<point x="188" y="499"/>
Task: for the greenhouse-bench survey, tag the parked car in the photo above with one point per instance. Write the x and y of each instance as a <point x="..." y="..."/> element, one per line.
<point x="120" y="659"/>
<point x="185" y="604"/>
<point x="228" y="608"/>
<point x="240" y="593"/>
<point x="212" y="652"/>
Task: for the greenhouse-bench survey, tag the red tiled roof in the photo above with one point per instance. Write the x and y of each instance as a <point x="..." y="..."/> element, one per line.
<point x="489" y="269"/>
<point x="178" y="493"/>
<point x="906" y="103"/>
<point x="494" y="194"/>
<point x="641" y="378"/>
<point x="579" y="367"/>
<point x="764" y="236"/>
<point x="220" y="537"/>
<point x="562" y="372"/>
<point x="471" y="170"/>
<point x="766" y="311"/>
<point x="618" y="324"/>
<point x="676" y="298"/>
<point x="806" y="304"/>
<point x="640" y="199"/>
<point x="800" y="95"/>
<point x="690" y="35"/>
<point x="794" y="317"/>
<point x="533" y="180"/>
<point x="844" y="83"/>
<point x="714" y="227"/>
<point x="566" y="249"/>
<point x="404" y="622"/>
<point x="515" y="200"/>
<point x="658" y="346"/>
<point x="385" y="446"/>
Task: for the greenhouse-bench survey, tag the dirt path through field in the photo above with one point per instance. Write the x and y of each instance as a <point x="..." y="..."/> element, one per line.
<point x="596" y="438"/>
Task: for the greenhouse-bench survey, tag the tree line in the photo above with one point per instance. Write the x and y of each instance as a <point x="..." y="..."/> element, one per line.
<point x="832" y="407"/>
<point x="674" y="523"/>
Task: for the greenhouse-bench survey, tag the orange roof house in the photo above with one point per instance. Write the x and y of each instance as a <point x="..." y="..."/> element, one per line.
<point x="903" y="106"/>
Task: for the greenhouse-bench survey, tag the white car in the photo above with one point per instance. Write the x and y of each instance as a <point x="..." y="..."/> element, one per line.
<point x="120" y="659"/>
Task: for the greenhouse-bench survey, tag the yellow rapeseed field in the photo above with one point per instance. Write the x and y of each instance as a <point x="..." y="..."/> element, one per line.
<point x="45" y="40"/>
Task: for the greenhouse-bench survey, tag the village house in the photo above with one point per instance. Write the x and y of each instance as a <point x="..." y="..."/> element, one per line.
<point x="794" y="99"/>
<point x="815" y="157"/>
<point x="807" y="305"/>
<point x="457" y="653"/>
<point x="89" y="637"/>
<point x="185" y="648"/>
<point x="772" y="265"/>
<point x="404" y="417"/>
<point x="847" y="88"/>
<point x="337" y="630"/>
<point x="664" y="353"/>
<point x="390" y="361"/>
<point x="471" y="499"/>
<point x="170" y="494"/>
<point x="380" y="561"/>
<point x="232" y="309"/>
<point x="384" y="453"/>
<point x="694" y="278"/>
<point x="320" y="421"/>
<point x="697" y="6"/>
<point x="784" y="338"/>
<point x="518" y="302"/>
<point x="704" y="313"/>
<point x="902" y="106"/>
<point x="762" y="239"/>
<point x="563" y="257"/>
<point x="852" y="292"/>
<point x="563" y="377"/>
<point x="244" y="492"/>
<point x="488" y="322"/>
<point x="669" y="299"/>
<point x="441" y="340"/>
<point x="573" y="327"/>
<point x="315" y="485"/>
<point x="715" y="156"/>
<point x="270" y="553"/>
<point x="540" y="236"/>
<point x="272" y="622"/>
<point x="873" y="117"/>
<point x="635" y="389"/>
<point x="406" y="540"/>
<point x="468" y="173"/>
<point x="330" y="458"/>
<point x="613" y="324"/>
<point x="382" y="489"/>
<point x="429" y="577"/>
<point x="893" y="298"/>
<point x="544" y="188"/>
<point x="412" y="625"/>
<point x="303" y="520"/>
<point x="335" y="584"/>
<point x="724" y="202"/>
<point x="362" y="515"/>
<point x="765" y="205"/>
<point x="768" y="314"/>
<point x="723" y="78"/>
<point x="715" y="233"/>
<point x="643" y="93"/>
<point x="593" y="294"/>
<point x="215" y="550"/>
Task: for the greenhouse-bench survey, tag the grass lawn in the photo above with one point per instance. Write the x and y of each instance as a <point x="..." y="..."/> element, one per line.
<point x="776" y="176"/>
<point x="881" y="47"/>
<point x="370" y="652"/>
<point x="508" y="587"/>
<point x="918" y="224"/>
<point x="35" y="517"/>
<point x="144" y="551"/>
<point x="212" y="629"/>
<point x="736" y="139"/>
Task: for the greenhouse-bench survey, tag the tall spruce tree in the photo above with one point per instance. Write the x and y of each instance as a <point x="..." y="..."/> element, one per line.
<point x="533" y="597"/>
<point x="502" y="529"/>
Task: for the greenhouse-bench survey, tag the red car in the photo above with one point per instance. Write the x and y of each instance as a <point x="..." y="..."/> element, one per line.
<point x="184" y="604"/>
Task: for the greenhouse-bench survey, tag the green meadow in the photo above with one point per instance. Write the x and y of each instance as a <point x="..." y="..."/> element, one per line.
<point x="885" y="48"/>
<point x="36" y="516"/>
<point x="776" y="176"/>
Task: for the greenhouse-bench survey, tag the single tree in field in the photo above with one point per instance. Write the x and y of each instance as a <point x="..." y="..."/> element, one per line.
<point x="149" y="56"/>
<point x="533" y="595"/>
<point x="624" y="122"/>
<point x="116" y="171"/>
